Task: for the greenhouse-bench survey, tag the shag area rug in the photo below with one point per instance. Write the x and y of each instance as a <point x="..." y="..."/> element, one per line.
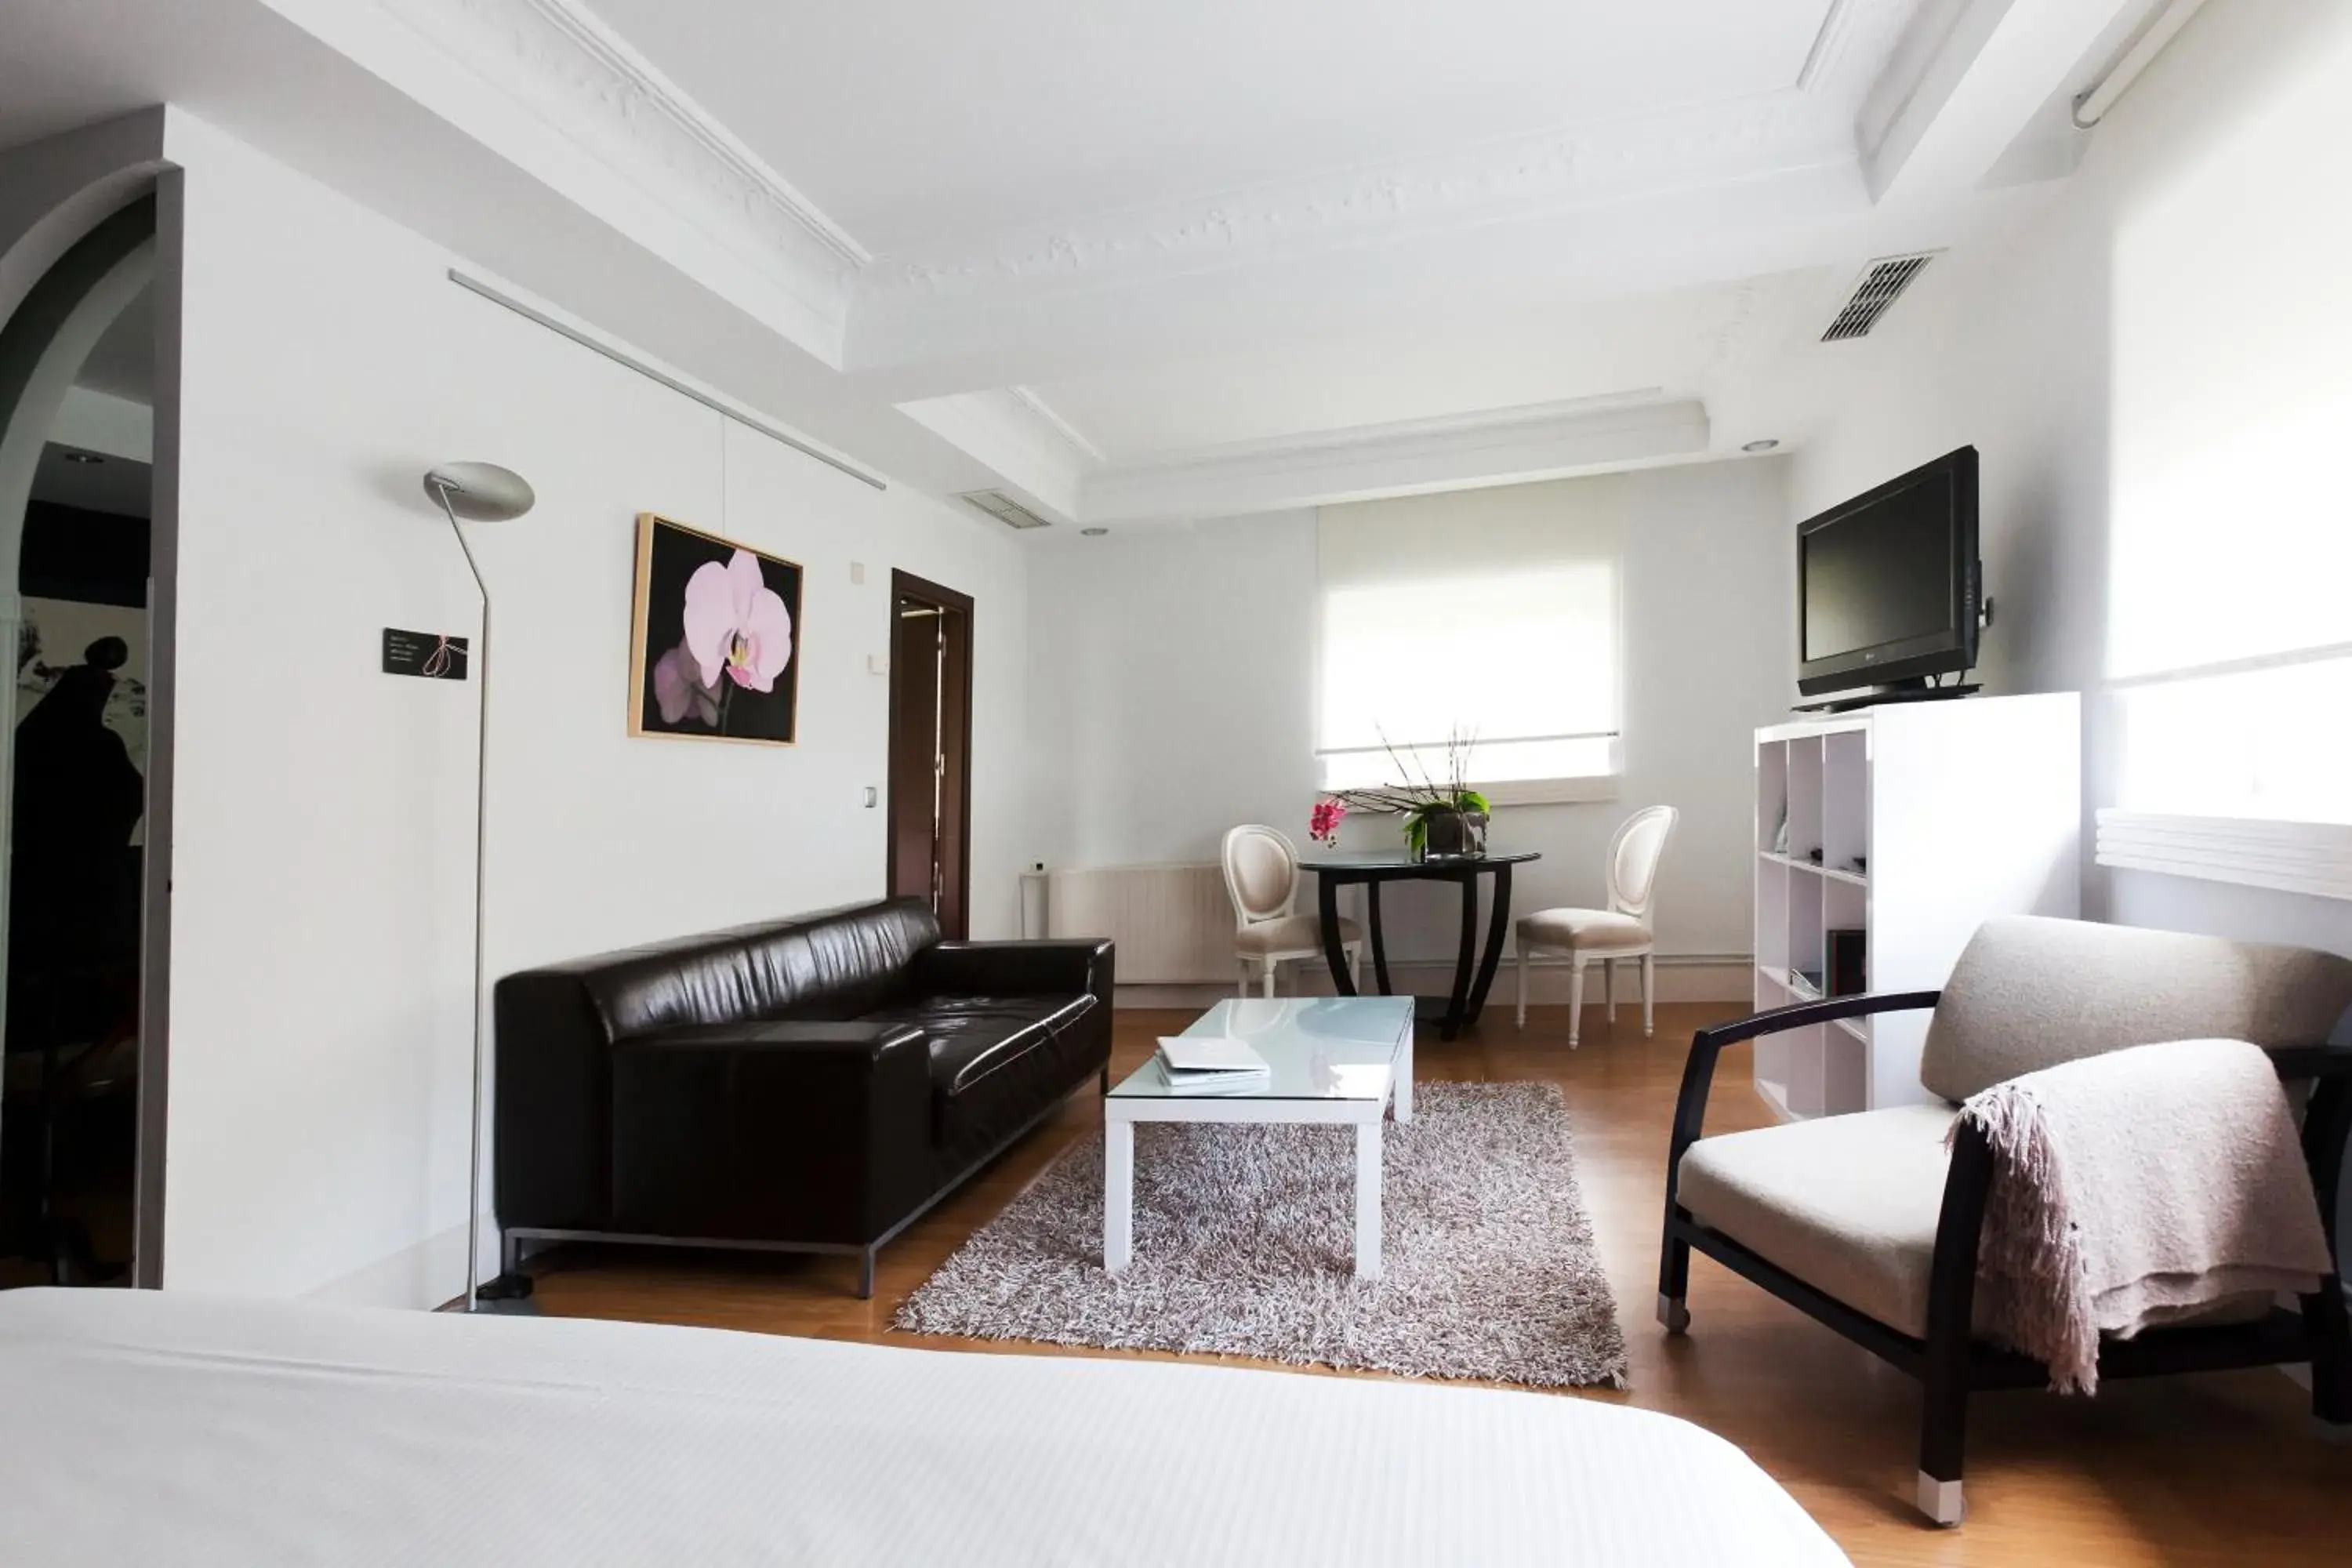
<point x="1244" y="1246"/>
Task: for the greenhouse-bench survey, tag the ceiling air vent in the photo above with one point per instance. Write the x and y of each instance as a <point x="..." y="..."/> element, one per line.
<point x="1003" y="509"/>
<point x="1882" y="282"/>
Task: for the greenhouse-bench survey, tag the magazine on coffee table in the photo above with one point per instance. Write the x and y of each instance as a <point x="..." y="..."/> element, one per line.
<point x="1209" y="1062"/>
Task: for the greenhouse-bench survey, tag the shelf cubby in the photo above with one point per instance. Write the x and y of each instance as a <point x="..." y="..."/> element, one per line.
<point x="1912" y="824"/>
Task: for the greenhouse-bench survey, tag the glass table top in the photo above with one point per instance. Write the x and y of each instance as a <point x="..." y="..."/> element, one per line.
<point x="1320" y="1047"/>
<point x="1402" y="859"/>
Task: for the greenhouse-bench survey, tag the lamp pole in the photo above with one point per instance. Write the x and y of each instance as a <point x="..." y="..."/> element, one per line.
<point x="494" y="494"/>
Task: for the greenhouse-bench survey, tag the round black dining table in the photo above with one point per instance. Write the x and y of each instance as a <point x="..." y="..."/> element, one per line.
<point x="1473" y="975"/>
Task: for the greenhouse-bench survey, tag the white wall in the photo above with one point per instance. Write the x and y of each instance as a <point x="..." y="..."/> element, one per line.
<point x="1174" y="668"/>
<point x="2174" y="326"/>
<point x="324" y="821"/>
<point x="2107" y="353"/>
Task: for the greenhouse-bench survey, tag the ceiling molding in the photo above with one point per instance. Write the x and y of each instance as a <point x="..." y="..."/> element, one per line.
<point x="594" y="84"/>
<point x="1853" y="44"/>
<point x="1967" y="78"/>
<point x="1505" y="445"/>
<point x="1059" y="428"/>
<point x="609" y="109"/>
<point x="1809" y="123"/>
<point x="1011" y="432"/>
<point x="1533" y="177"/>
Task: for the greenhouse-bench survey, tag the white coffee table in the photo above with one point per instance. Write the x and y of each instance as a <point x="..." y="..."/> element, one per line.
<point x="1335" y="1059"/>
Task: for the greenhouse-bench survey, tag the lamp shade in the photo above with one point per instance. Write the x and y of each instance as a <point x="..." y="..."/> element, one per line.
<point x="479" y="492"/>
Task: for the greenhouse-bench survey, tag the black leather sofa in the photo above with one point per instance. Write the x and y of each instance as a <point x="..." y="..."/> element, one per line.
<point x="808" y="1085"/>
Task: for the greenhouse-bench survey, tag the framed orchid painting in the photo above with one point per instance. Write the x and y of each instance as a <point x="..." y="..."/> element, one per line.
<point x="716" y="655"/>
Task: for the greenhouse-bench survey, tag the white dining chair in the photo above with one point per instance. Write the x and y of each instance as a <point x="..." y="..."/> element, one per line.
<point x="1261" y="877"/>
<point x="1621" y="932"/>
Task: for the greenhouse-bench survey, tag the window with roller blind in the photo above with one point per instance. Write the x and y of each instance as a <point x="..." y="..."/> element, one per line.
<point x="1493" y="614"/>
<point x="2228" y="623"/>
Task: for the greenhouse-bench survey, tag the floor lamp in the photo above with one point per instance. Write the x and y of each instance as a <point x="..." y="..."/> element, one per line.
<point x="481" y="492"/>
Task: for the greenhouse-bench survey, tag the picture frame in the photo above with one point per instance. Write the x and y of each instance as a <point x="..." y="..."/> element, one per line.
<point x="715" y="638"/>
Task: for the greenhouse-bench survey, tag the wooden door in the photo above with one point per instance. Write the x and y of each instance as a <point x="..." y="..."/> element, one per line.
<point x="930" y="748"/>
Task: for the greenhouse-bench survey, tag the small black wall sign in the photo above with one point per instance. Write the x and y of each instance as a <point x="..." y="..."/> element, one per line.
<point x="426" y="654"/>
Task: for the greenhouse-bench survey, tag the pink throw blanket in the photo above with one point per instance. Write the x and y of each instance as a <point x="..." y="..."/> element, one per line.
<point x="2138" y="1189"/>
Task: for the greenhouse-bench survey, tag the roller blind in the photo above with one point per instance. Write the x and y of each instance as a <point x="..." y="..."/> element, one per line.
<point x="1492" y="614"/>
<point x="2228" y="621"/>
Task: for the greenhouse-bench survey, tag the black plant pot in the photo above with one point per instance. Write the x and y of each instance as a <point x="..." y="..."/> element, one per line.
<point x="1452" y="834"/>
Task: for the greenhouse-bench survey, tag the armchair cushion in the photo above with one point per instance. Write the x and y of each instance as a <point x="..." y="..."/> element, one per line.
<point x="2029" y="993"/>
<point x="1847" y="1203"/>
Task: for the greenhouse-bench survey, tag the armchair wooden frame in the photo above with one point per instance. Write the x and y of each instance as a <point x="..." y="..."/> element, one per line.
<point x="1950" y="1362"/>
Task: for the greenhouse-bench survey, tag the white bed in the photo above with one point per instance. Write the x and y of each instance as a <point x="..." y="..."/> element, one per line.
<point x="163" y="1429"/>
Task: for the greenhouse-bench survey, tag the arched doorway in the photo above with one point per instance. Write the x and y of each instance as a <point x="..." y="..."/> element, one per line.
<point x="76" y="510"/>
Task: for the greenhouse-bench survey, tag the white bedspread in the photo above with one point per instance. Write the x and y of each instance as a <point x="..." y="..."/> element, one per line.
<point x="149" y="1429"/>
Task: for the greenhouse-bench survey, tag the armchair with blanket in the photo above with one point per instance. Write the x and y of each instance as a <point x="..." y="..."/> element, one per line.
<point x="1870" y="1222"/>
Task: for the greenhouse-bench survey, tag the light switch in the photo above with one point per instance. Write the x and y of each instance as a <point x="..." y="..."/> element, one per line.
<point x="877" y="664"/>
<point x="858" y="573"/>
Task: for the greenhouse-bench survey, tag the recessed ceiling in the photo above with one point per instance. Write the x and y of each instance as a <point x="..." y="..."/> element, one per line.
<point x="911" y="120"/>
<point x="1644" y="348"/>
<point x="118" y="485"/>
<point x="1063" y="250"/>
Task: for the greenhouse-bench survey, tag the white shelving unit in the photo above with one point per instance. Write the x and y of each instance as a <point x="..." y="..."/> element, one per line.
<point x="1911" y="823"/>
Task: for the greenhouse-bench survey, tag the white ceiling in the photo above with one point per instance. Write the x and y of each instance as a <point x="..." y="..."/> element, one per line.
<point x="1128" y="262"/>
<point x="121" y="486"/>
<point x="910" y="122"/>
<point x="1642" y="348"/>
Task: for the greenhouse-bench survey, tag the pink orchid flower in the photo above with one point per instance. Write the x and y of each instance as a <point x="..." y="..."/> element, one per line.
<point x="737" y="625"/>
<point x="680" y="690"/>
<point x="1323" y="822"/>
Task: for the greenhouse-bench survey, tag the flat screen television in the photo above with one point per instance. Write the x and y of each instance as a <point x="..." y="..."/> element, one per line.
<point x="1888" y="584"/>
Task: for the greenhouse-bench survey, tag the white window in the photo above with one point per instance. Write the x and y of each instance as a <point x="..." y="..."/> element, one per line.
<point x="1486" y="614"/>
<point x="2227" y="624"/>
<point x="2267" y="741"/>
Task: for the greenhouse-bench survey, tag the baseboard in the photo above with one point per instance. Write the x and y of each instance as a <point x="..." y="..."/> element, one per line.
<point x="422" y="1278"/>
<point x="1682" y="977"/>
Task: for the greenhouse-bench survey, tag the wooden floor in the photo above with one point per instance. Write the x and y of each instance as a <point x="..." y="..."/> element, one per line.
<point x="2222" y="1469"/>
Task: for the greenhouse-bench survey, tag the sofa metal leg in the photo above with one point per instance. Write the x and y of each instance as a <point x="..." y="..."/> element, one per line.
<point x="866" y="1275"/>
<point x="1673" y="1312"/>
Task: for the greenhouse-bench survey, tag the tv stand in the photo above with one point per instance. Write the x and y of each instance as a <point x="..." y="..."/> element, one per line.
<point x="1846" y="703"/>
<point x="1897" y="830"/>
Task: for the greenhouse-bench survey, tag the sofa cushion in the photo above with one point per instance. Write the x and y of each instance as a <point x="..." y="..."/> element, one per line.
<point x="838" y="964"/>
<point x="1847" y="1203"/>
<point x="971" y="1038"/>
<point x="2029" y="993"/>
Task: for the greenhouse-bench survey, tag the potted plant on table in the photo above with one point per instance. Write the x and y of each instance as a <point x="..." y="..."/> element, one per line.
<point x="1443" y="819"/>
